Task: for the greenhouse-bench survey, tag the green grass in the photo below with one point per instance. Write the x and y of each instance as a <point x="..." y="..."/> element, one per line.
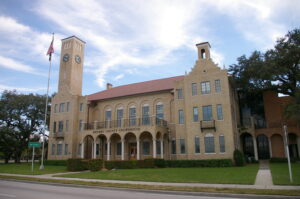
<point x="25" y="168"/>
<point x="228" y="175"/>
<point x="280" y="173"/>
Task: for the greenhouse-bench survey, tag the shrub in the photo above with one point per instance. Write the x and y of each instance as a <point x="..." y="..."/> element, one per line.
<point x="239" y="158"/>
<point x="95" y="164"/>
<point x="160" y="163"/>
<point x="282" y="160"/>
<point x="77" y="164"/>
<point x="147" y="163"/>
<point x="118" y="164"/>
<point x="198" y="163"/>
<point x="56" y="162"/>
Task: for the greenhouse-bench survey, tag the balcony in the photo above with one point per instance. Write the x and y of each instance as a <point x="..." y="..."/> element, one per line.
<point x="204" y="125"/>
<point x="125" y="123"/>
<point x="59" y="135"/>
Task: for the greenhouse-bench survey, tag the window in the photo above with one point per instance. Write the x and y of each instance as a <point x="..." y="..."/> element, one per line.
<point x="55" y="108"/>
<point x="119" y="148"/>
<point x="159" y="113"/>
<point x="218" y="85"/>
<point x="97" y="149"/>
<point x="195" y="114"/>
<point x="132" y="116"/>
<point x="222" y="143"/>
<point x="60" y="126"/>
<point x="68" y="106"/>
<point x="179" y="94"/>
<point x="194" y="89"/>
<point x="80" y="125"/>
<point x="158" y="150"/>
<point x="66" y="149"/>
<point x="59" y="149"/>
<point x="108" y="115"/>
<point x="54" y="127"/>
<point x="146" y="148"/>
<point x="209" y="144"/>
<point x="197" y="144"/>
<point x="173" y="145"/>
<point x="79" y="149"/>
<point x="205" y="87"/>
<point x="61" y="107"/>
<point x="207" y="113"/>
<point x="119" y="117"/>
<point x="81" y="107"/>
<point x="53" y="149"/>
<point x="145" y="115"/>
<point x="181" y="116"/>
<point x="67" y="125"/>
<point x="182" y="146"/>
<point x="219" y="112"/>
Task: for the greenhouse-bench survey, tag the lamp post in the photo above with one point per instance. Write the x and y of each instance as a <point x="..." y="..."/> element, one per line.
<point x="288" y="152"/>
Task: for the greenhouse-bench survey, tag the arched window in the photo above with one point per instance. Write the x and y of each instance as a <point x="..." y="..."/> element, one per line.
<point x="159" y="112"/>
<point x="145" y="114"/>
<point x="203" y="54"/>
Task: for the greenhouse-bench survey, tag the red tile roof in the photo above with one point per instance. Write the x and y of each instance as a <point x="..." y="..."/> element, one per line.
<point x="136" y="88"/>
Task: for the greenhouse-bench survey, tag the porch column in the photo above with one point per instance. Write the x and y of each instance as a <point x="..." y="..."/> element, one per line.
<point x="154" y="148"/>
<point x="95" y="147"/>
<point x="255" y="147"/>
<point x="82" y="150"/>
<point x="138" y="149"/>
<point x="122" y="148"/>
<point x="162" y="149"/>
<point x="108" y="150"/>
<point x="270" y="147"/>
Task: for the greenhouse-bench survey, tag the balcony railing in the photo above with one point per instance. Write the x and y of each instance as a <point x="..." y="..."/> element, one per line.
<point x="207" y="125"/>
<point x="122" y="123"/>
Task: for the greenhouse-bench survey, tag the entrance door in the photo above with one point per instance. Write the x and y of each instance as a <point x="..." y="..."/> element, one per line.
<point x="132" y="151"/>
<point x="263" y="147"/>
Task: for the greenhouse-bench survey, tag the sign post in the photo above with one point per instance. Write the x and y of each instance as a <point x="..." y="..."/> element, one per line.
<point x="33" y="145"/>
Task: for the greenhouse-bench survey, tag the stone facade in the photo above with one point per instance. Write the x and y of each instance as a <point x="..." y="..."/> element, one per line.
<point x="193" y="117"/>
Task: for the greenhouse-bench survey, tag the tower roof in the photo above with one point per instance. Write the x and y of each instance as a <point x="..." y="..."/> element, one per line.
<point x="74" y="37"/>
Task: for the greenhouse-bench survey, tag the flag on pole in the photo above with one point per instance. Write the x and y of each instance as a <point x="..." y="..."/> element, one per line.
<point x="50" y="49"/>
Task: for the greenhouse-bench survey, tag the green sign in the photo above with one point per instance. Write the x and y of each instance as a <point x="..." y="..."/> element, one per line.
<point x="34" y="144"/>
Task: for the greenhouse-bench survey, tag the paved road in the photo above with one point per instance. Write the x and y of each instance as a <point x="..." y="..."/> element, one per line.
<point x="24" y="190"/>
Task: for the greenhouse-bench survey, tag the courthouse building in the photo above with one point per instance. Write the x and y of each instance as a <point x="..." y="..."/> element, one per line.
<point x="193" y="116"/>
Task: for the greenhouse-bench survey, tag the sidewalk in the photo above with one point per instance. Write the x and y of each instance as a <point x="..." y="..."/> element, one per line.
<point x="51" y="176"/>
<point x="264" y="176"/>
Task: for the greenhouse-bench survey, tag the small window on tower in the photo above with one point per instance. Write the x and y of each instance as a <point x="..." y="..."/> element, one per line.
<point x="203" y="55"/>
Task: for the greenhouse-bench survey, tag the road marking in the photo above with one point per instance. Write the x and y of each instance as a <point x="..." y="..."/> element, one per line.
<point x="7" y="195"/>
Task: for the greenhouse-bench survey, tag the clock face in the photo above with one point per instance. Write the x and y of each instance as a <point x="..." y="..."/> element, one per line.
<point x="66" y="57"/>
<point x="77" y="59"/>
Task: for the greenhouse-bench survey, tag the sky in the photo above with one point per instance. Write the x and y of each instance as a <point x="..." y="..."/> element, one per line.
<point x="130" y="41"/>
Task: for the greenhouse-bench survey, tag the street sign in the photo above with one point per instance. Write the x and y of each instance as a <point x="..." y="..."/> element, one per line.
<point x="34" y="144"/>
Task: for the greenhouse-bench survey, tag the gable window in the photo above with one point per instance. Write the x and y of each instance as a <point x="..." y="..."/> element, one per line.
<point x="195" y="114"/>
<point x="197" y="144"/>
<point x="194" y="89"/>
<point x="222" y="143"/>
<point x="205" y="87"/>
<point x="209" y="144"/>
<point x="179" y="94"/>
<point x="145" y="115"/>
<point x="219" y="112"/>
<point x="181" y="116"/>
<point x="207" y="113"/>
<point x="218" y="85"/>
<point x="132" y="116"/>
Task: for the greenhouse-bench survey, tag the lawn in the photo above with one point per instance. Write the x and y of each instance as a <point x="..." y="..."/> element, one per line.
<point x="228" y="175"/>
<point x="280" y="173"/>
<point x="25" y="168"/>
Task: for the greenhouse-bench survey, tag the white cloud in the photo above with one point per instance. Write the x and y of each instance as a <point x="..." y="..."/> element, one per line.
<point x="120" y="76"/>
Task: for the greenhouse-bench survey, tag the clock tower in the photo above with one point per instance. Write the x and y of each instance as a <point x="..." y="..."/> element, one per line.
<point x="71" y="66"/>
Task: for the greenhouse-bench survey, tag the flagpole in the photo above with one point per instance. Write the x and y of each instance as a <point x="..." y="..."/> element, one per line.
<point x="46" y="110"/>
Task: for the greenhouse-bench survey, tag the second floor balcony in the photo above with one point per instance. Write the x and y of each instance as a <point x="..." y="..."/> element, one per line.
<point x="124" y="123"/>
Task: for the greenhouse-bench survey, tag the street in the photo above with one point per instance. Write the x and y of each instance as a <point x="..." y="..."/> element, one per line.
<point x="27" y="190"/>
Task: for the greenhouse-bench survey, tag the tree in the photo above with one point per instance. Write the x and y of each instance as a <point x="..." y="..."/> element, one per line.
<point x="21" y="116"/>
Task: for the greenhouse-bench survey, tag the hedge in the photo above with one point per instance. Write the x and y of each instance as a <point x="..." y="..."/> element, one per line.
<point x="160" y="163"/>
<point x="77" y="164"/>
<point x="239" y="158"/>
<point x="279" y="160"/>
<point x="95" y="164"/>
<point x="56" y="162"/>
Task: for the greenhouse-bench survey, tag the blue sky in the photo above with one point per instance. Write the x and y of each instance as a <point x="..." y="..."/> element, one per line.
<point x="133" y="40"/>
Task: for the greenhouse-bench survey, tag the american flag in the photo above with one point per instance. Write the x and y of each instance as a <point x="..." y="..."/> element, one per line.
<point x="51" y="49"/>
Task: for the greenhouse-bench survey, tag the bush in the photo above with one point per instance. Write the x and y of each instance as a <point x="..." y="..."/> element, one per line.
<point x="55" y="162"/>
<point x="239" y="158"/>
<point x="282" y="160"/>
<point x="160" y="163"/>
<point x="95" y="164"/>
<point x="127" y="164"/>
<point x="77" y="164"/>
